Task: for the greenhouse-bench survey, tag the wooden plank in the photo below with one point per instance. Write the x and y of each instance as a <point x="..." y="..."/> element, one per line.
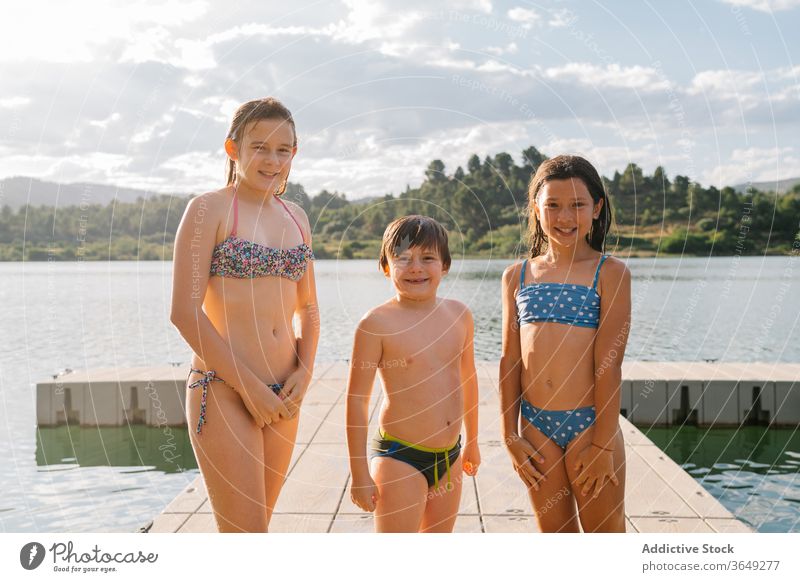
<point x="190" y="499"/>
<point x="323" y="392"/>
<point x="693" y="494"/>
<point x="500" y="490"/>
<point x="510" y="524"/>
<point x="633" y="436"/>
<point x="317" y="481"/>
<point x="168" y="522"/>
<point x="670" y="525"/>
<point x="349" y="523"/>
<point x="199" y="523"/>
<point x="730" y="525"/>
<point x="646" y="493"/>
<point x="311" y="417"/>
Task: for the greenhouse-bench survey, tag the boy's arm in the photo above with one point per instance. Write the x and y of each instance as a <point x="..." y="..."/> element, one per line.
<point x="469" y="381"/>
<point x="367" y="353"/>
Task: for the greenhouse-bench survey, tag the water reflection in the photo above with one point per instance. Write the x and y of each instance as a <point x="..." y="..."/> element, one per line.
<point x="752" y="471"/>
<point x="165" y="449"/>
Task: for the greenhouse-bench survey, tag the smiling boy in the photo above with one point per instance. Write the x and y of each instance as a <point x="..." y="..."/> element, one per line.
<point x="423" y="346"/>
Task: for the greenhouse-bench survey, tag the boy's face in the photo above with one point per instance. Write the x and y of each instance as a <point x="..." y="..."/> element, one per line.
<point x="416" y="272"/>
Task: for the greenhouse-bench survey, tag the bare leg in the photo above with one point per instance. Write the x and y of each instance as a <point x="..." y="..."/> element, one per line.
<point x="403" y="491"/>
<point x="442" y="507"/>
<point x="279" y="440"/>
<point x="553" y="503"/>
<point x="230" y="453"/>
<point x="607" y="512"/>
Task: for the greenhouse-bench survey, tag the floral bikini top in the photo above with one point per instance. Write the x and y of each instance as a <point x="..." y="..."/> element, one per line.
<point x="243" y="259"/>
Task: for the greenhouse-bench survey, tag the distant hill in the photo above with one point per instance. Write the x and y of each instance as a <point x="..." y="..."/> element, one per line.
<point x="18" y="191"/>
<point x="780" y="186"/>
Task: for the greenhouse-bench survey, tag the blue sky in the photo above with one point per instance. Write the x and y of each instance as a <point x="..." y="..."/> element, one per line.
<point x="140" y="93"/>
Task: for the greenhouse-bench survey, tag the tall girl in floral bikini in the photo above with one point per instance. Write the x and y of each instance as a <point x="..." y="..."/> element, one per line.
<point x="242" y="271"/>
<point x="566" y="317"/>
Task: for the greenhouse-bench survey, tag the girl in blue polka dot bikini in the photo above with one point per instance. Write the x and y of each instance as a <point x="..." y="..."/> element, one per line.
<point x="566" y="317"/>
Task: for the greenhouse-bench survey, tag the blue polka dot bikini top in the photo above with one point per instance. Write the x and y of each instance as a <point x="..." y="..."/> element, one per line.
<point x="559" y="302"/>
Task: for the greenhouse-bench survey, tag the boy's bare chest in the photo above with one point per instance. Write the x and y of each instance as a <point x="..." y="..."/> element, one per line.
<point x="433" y="339"/>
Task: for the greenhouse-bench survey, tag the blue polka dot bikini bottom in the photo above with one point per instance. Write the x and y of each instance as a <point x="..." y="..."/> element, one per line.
<point x="560" y="426"/>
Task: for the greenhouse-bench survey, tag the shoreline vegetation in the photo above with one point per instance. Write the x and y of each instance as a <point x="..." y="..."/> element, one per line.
<point x="483" y="208"/>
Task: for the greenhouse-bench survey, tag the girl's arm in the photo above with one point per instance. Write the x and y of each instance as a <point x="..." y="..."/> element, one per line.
<point x="367" y="354"/>
<point x="596" y="461"/>
<point x="469" y="386"/>
<point x="511" y="359"/>
<point x="194" y="246"/>
<point x="307" y="311"/>
<point x="510" y="383"/>
<point x="609" y="349"/>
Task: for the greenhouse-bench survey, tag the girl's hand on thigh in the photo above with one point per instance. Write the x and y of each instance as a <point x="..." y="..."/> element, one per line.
<point x="522" y="456"/>
<point x="596" y="468"/>
<point x="364" y="493"/>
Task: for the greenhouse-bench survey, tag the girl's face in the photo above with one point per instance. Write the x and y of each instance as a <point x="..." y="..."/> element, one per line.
<point x="263" y="154"/>
<point x="565" y="210"/>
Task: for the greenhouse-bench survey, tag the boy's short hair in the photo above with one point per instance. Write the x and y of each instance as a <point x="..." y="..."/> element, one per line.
<point x="414" y="230"/>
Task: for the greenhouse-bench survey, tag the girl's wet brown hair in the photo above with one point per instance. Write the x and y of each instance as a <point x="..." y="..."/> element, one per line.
<point x="414" y="230"/>
<point x="565" y="167"/>
<point x="255" y="110"/>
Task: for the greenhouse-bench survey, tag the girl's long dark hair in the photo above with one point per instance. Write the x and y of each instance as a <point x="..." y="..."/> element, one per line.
<point x="565" y="167"/>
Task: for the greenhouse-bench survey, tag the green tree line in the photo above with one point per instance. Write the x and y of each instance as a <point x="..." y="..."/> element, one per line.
<point x="483" y="205"/>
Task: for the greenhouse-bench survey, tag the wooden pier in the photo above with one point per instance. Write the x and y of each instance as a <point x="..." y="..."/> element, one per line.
<point x="660" y="496"/>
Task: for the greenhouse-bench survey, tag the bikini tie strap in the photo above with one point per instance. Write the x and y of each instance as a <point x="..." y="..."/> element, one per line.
<point x="207" y="378"/>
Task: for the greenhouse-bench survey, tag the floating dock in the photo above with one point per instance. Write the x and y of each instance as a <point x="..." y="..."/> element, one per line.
<point x="660" y="496"/>
<point x="653" y="394"/>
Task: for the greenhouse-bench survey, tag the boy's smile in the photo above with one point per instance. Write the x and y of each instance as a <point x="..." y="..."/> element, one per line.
<point x="416" y="273"/>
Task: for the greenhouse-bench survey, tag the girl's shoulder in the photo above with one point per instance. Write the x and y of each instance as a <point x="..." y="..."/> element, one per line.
<point x="212" y="201"/>
<point x="512" y="272"/>
<point x="614" y="266"/>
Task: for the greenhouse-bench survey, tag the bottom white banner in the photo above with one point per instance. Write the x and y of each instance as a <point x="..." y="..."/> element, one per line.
<point x="390" y="557"/>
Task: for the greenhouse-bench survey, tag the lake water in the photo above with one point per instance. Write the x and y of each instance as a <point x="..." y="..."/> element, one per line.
<point x="88" y="315"/>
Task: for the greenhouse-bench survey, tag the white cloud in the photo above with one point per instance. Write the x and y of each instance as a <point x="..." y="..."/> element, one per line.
<point x="612" y="75"/>
<point x="561" y="18"/>
<point x="14" y="102"/>
<point x="724" y="84"/>
<point x="509" y="49"/>
<point x="75" y="30"/>
<point x="755" y="164"/>
<point x="765" y="5"/>
<point x="104" y="123"/>
<point x="526" y="16"/>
